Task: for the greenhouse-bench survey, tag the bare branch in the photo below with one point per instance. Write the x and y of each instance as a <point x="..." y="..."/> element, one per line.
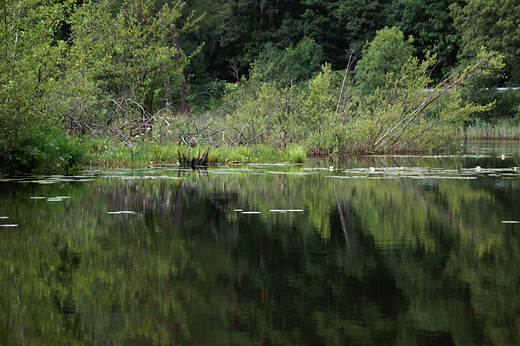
<point x="258" y="135"/>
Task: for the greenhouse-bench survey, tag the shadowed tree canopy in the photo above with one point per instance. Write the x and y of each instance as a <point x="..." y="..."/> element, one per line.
<point x="493" y="24"/>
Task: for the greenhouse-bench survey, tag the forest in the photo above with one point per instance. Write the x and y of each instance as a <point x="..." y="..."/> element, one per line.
<point x="82" y="80"/>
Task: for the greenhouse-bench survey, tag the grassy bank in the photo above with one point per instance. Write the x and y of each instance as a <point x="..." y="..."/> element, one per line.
<point x="122" y="155"/>
<point x="501" y="129"/>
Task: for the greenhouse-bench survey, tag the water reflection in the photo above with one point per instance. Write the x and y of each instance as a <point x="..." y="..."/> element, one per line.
<point x="413" y="251"/>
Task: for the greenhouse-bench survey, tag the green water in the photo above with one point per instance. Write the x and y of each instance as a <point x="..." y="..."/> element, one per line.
<point x="387" y="250"/>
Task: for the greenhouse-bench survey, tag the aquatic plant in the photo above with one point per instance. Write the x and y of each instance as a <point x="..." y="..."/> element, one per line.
<point x="501" y="129"/>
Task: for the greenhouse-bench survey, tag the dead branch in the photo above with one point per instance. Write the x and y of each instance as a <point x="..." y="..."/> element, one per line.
<point x="345" y="78"/>
<point x="258" y="135"/>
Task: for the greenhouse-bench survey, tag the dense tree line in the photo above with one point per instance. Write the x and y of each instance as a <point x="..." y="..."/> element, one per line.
<point x="130" y="69"/>
<point x="452" y="29"/>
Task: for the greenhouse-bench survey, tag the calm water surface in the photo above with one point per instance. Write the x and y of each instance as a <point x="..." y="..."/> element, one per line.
<point x="390" y="250"/>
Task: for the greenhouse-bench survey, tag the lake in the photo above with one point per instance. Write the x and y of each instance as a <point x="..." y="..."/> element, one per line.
<point x="380" y="250"/>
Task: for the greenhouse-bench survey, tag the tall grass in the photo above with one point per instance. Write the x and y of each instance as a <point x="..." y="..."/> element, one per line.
<point x="120" y="154"/>
<point x="502" y="129"/>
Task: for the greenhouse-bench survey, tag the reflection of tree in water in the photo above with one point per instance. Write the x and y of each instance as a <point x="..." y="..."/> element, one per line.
<point x="289" y="286"/>
<point x="106" y="278"/>
<point x="367" y="262"/>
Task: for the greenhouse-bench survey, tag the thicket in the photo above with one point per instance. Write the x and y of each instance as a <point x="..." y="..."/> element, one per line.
<point x="79" y="76"/>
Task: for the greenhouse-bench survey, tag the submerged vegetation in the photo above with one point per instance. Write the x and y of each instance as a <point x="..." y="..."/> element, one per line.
<point x="122" y="73"/>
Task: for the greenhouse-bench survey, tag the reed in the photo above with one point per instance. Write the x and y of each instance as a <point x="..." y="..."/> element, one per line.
<point x="502" y="129"/>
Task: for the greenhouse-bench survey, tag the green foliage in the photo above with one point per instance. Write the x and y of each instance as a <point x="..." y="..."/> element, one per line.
<point x="493" y="25"/>
<point x="291" y="66"/>
<point x="342" y="26"/>
<point x="503" y="128"/>
<point x="134" y="59"/>
<point x="388" y="52"/>
<point x="506" y="103"/>
<point x="145" y="153"/>
<point x="318" y="101"/>
<point x="431" y="25"/>
<point x="115" y="70"/>
<point x="206" y="95"/>
<point x="32" y="86"/>
<point x="43" y="153"/>
<point x="262" y="111"/>
<point x="408" y="116"/>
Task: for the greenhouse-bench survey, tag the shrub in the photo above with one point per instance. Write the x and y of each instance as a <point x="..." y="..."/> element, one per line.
<point x="43" y="153"/>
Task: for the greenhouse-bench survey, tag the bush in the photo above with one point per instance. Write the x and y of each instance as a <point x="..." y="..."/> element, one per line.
<point x="43" y="153"/>
<point x="409" y="117"/>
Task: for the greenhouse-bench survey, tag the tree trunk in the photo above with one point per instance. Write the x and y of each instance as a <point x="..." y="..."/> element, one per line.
<point x="185" y="108"/>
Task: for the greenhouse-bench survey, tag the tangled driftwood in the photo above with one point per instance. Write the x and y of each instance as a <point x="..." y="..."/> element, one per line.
<point x="199" y="161"/>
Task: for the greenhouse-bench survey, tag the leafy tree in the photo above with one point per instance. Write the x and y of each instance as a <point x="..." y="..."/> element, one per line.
<point x="388" y="52"/>
<point x="337" y="26"/>
<point x="409" y="117"/>
<point x="293" y="65"/>
<point x="210" y="64"/>
<point x="494" y="25"/>
<point x="32" y="84"/>
<point x="253" y="24"/>
<point x="342" y="26"/>
<point x="135" y="59"/>
<point x="431" y="24"/>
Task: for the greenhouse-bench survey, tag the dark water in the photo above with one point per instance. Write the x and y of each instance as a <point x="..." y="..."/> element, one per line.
<point x="376" y="251"/>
